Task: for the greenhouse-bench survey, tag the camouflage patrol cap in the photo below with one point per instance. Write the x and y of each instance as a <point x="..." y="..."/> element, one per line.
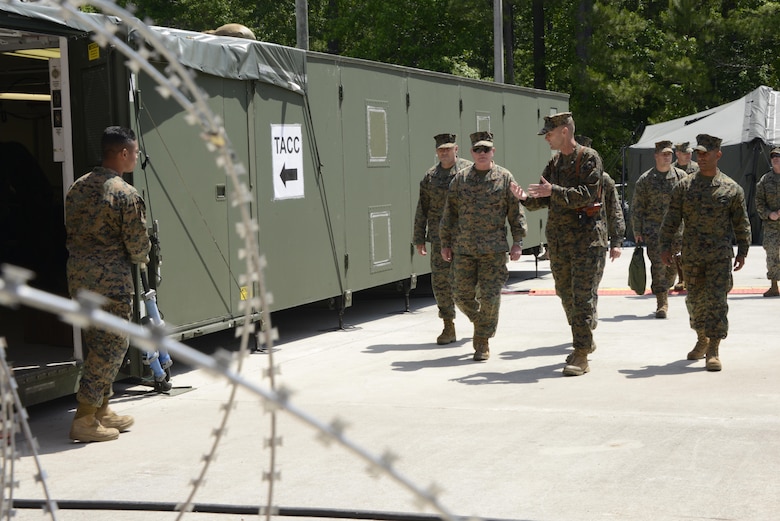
<point x="705" y="142"/>
<point x="774" y="152"/>
<point x="662" y="147"/>
<point x="685" y="146"/>
<point x="481" y="139"/>
<point x="445" y="140"/>
<point x="554" y="121"/>
<point x="583" y="140"/>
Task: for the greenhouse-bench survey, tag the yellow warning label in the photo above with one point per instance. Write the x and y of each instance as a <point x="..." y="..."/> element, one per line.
<point x="93" y="51"/>
<point x="244" y="293"/>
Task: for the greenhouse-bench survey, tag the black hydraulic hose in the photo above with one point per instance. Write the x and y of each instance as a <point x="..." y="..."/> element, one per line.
<point x="219" y="508"/>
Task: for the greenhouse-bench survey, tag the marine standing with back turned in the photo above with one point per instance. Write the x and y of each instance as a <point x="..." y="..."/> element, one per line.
<point x="712" y="208"/>
<point x="474" y="238"/>
<point x="430" y="205"/>
<point x="571" y="188"/>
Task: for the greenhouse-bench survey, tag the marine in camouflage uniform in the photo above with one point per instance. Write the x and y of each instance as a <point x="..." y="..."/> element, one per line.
<point x="616" y="231"/>
<point x="430" y="205"/>
<point x="616" y="225"/>
<point x="474" y="238"/>
<point x="712" y="207"/>
<point x="571" y="189"/>
<point x="768" y="210"/>
<point x="683" y="152"/>
<point x="651" y="198"/>
<point x="105" y="220"/>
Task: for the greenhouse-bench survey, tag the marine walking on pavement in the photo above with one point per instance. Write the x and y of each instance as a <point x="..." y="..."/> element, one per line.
<point x="430" y="206"/>
<point x="571" y="188"/>
<point x="651" y="198"/>
<point x="479" y="213"/>
<point x="768" y="210"/>
<point x="710" y="207"/>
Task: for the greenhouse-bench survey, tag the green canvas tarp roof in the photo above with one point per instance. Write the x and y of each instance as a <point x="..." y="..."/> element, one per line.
<point x="222" y="56"/>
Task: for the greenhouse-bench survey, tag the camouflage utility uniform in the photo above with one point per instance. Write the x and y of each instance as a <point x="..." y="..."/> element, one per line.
<point x="651" y="198"/>
<point x="768" y="201"/>
<point x="575" y="241"/>
<point x="612" y="212"/>
<point x="473" y="225"/>
<point x="106" y="227"/>
<point x="430" y="206"/>
<point x="690" y="168"/>
<point x="713" y="211"/>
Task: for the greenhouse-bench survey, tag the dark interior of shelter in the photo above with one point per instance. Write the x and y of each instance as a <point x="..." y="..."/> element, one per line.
<point x="31" y="197"/>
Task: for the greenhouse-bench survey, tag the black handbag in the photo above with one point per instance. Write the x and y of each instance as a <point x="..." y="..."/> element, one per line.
<point x="637" y="276"/>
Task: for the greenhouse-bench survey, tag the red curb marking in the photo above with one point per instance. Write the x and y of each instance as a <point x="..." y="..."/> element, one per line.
<point x="628" y="291"/>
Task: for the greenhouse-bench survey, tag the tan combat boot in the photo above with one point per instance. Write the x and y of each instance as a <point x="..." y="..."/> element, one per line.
<point x="713" y="362"/>
<point x="481" y="348"/>
<point x="448" y="334"/>
<point x="571" y="355"/>
<point x="663" y="304"/>
<point x="773" y="290"/>
<point x="700" y="349"/>
<point x="86" y="427"/>
<point x="577" y="365"/>
<point x="110" y="419"/>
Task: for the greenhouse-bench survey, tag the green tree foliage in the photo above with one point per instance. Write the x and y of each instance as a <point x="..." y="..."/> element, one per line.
<point x="625" y="63"/>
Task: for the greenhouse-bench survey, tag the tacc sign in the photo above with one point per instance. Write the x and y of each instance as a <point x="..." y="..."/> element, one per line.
<point x="287" y="154"/>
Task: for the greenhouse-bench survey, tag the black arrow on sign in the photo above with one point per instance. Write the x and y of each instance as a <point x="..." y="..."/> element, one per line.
<point x="288" y="174"/>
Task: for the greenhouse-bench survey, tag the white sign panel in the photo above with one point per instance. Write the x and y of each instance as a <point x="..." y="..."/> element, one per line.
<point x="287" y="153"/>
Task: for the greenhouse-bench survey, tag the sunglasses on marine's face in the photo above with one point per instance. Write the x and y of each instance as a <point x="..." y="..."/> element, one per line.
<point x="481" y="150"/>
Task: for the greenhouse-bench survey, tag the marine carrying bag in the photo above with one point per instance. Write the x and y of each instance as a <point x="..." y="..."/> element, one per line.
<point x="637" y="276"/>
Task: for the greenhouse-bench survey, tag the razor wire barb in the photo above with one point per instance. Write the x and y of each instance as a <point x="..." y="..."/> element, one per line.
<point x="85" y="309"/>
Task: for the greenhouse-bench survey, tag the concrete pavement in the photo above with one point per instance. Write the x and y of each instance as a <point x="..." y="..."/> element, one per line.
<point x="646" y="435"/>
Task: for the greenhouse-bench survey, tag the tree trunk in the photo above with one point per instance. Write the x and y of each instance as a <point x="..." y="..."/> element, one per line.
<point x="540" y="67"/>
<point x="509" y="42"/>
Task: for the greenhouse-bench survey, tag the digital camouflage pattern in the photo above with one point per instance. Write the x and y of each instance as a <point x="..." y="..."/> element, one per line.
<point x="105" y="221"/>
<point x="612" y="212"/>
<point x="430" y="206"/>
<point x="575" y="242"/>
<point x="105" y="354"/>
<point x="768" y="201"/>
<point x="690" y="168"/>
<point x="713" y="212"/>
<point x="652" y="192"/>
<point x="474" y="225"/>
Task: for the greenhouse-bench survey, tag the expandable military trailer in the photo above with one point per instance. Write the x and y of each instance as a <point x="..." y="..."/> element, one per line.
<point x="334" y="150"/>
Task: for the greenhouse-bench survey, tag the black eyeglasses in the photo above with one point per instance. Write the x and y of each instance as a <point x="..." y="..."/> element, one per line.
<point x="482" y="150"/>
